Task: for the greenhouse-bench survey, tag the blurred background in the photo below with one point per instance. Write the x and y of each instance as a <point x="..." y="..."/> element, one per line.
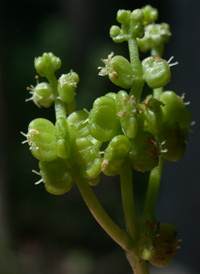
<point x="41" y="233"/>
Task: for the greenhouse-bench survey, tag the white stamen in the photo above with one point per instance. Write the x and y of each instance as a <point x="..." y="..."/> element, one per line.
<point x="38" y="182"/>
<point x="36" y="172"/>
<point x="86" y="111"/>
<point x="173" y="64"/>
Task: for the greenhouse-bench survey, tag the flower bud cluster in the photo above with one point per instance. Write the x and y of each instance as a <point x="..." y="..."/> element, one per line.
<point x="119" y="128"/>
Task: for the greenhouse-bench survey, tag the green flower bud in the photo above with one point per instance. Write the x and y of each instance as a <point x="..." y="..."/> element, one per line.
<point x="103" y="121"/>
<point x="136" y="24"/>
<point x="67" y="84"/>
<point x="155" y="36"/>
<point x="150" y="14"/>
<point x="56" y="176"/>
<point x="126" y="110"/>
<point x="88" y="158"/>
<point x="173" y="141"/>
<point x="63" y="138"/>
<point x="117" y="34"/>
<point x="42" y="94"/>
<point x="123" y="16"/>
<point x="115" y="155"/>
<point x="144" y="152"/>
<point x="78" y="124"/>
<point x="156" y="71"/>
<point x="175" y="109"/>
<point x="166" y="245"/>
<point x="42" y="140"/>
<point x="119" y="70"/>
<point x="47" y="64"/>
<point x="153" y="114"/>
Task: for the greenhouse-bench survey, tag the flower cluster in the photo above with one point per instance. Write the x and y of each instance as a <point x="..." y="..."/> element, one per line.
<point x="143" y="132"/>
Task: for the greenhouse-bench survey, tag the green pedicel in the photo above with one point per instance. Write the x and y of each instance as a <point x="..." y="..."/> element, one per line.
<point x="88" y="158"/>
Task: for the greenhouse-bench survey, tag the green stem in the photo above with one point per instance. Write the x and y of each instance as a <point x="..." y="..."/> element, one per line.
<point x="158" y="51"/>
<point x="138" y="265"/>
<point x="157" y="92"/>
<point x="153" y="188"/>
<point x="60" y="109"/>
<point x="138" y="82"/>
<point x="134" y="57"/>
<point x="113" y="230"/>
<point x="128" y="200"/>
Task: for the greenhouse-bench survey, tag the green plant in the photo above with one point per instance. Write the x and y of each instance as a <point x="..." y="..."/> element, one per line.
<point x="139" y="133"/>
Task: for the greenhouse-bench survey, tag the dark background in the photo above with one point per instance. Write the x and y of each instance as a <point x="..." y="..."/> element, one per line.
<point x="41" y="233"/>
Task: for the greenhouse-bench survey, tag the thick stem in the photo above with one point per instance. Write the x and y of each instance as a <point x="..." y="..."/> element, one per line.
<point x="134" y="57"/>
<point x="128" y="200"/>
<point x="113" y="230"/>
<point x="153" y="188"/>
<point x="138" y="82"/>
<point x="138" y="265"/>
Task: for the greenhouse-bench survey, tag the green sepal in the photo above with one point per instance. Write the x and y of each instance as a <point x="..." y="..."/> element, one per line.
<point x="88" y="158"/>
<point x="42" y="139"/>
<point x="144" y="152"/>
<point x="63" y="138"/>
<point x="156" y="72"/>
<point x="67" y="85"/>
<point x="47" y="64"/>
<point x="103" y="121"/>
<point x="56" y="176"/>
<point x="175" y="110"/>
<point x="78" y="124"/>
<point x="118" y="69"/>
<point x="115" y="155"/>
<point x="122" y="74"/>
<point x="127" y="112"/>
<point x="42" y="94"/>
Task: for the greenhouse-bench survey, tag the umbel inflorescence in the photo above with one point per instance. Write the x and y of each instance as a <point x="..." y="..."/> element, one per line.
<point x="138" y="133"/>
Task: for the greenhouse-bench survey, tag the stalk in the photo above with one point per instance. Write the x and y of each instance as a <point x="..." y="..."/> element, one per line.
<point x="138" y="83"/>
<point x="128" y="200"/>
<point x="138" y="265"/>
<point x="112" y="229"/>
<point x="153" y="188"/>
